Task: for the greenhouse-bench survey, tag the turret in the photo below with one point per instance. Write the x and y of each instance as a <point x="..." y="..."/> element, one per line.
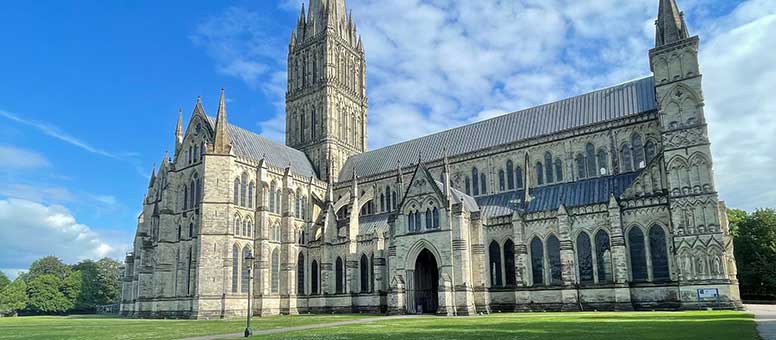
<point x="221" y="140"/>
<point x="670" y="24"/>
<point x="179" y="131"/>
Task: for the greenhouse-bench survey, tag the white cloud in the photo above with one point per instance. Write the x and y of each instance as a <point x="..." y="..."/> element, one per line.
<point x="30" y="230"/>
<point x="13" y="158"/>
<point x="436" y="64"/>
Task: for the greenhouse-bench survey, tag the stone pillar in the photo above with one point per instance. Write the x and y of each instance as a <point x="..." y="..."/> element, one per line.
<point x="622" y="299"/>
<point x="397" y="296"/>
<point x="461" y="289"/>
<point x="570" y="296"/>
<point x="521" y="250"/>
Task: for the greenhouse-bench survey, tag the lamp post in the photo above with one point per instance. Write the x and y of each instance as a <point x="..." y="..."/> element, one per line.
<point x="249" y="263"/>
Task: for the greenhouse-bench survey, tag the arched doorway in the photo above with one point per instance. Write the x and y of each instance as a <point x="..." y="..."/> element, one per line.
<point x="426" y="283"/>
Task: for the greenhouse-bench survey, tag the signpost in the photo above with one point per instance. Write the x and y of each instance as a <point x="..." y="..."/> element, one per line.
<point x="707" y="294"/>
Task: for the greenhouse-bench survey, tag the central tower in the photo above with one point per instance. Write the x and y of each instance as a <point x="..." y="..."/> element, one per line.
<point x="326" y="104"/>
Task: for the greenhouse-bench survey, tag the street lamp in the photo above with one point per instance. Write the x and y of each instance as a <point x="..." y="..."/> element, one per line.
<point x="249" y="263"/>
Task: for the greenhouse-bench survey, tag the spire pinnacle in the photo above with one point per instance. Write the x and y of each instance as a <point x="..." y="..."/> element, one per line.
<point x="221" y="143"/>
<point x="179" y="129"/>
<point x="670" y="24"/>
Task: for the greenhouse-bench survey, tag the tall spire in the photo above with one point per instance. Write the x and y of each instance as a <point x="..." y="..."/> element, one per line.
<point x="670" y="24"/>
<point x="179" y="130"/>
<point x="221" y="143"/>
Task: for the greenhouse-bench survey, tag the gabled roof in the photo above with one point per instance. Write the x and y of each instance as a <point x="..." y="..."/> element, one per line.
<point x="548" y="198"/>
<point x="249" y="145"/>
<point x="616" y="102"/>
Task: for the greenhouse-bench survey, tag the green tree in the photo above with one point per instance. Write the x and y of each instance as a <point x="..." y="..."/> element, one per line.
<point x="108" y="278"/>
<point x="735" y="217"/>
<point x="48" y="265"/>
<point x="755" y="250"/>
<point x="4" y="281"/>
<point x="13" y="297"/>
<point x="89" y="286"/>
<point x="46" y="297"/>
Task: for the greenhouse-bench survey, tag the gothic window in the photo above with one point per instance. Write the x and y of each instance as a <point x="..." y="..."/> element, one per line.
<point x="638" y="151"/>
<point x="603" y="161"/>
<point x="638" y="255"/>
<point x="539" y="173"/>
<point x="387" y="198"/>
<point x="658" y="254"/>
<point x="250" y="228"/>
<point x="199" y="188"/>
<point x="191" y="230"/>
<point x="364" y="274"/>
<point x="382" y="202"/>
<point x="519" y="177"/>
<point x="510" y="176"/>
<point x="300" y="274"/>
<point x="246" y="271"/>
<point x="581" y="166"/>
<point x="467" y="184"/>
<point x="195" y="154"/>
<point x="279" y="201"/>
<point x="202" y="152"/>
<point x="553" y="255"/>
<point x="372" y="273"/>
<point x="394" y="201"/>
<point x="435" y="214"/>
<point x="418" y="226"/>
<point x="626" y="158"/>
<point x="276" y="232"/>
<point x="651" y="150"/>
<point x="275" y="272"/>
<point x="193" y="193"/>
<point x="537" y="261"/>
<point x="251" y="188"/>
<point x="509" y="263"/>
<point x="429" y="219"/>
<point x="592" y="171"/>
<point x="340" y="275"/>
<point x="190" y="156"/>
<point x="584" y="258"/>
<point x="312" y="121"/>
<point x="411" y="222"/>
<point x="235" y="267"/>
<point x="245" y="228"/>
<point x="272" y="197"/>
<point x="494" y="252"/>
<point x="501" y="180"/>
<point x="548" y="167"/>
<point x="558" y="170"/>
<point x="314" y="278"/>
<point x="189" y="268"/>
<point x="185" y="197"/>
<point x="604" y="257"/>
<point x="237" y="223"/>
<point x="475" y="182"/>
<point x="236" y="191"/>
<point x="243" y="190"/>
<point x="302" y="125"/>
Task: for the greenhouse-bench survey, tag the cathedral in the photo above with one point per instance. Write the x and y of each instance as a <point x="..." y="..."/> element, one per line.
<point x="603" y="201"/>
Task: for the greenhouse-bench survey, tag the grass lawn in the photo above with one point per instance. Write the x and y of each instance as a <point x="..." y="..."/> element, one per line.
<point x="551" y="326"/>
<point x="96" y="327"/>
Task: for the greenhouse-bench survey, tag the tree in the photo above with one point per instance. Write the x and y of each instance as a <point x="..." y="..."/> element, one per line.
<point x="48" y="265"/>
<point x="46" y="297"/>
<point x="108" y="278"/>
<point x="735" y="217"/>
<point x="755" y="250"/>
<point x="13" y="297"/>
<point x="99" y="284"/>
<point x="4" y="281"/>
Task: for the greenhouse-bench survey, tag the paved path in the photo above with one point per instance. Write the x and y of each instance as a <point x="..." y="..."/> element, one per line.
<point x="301" y="328"/>
<point x="765" y="316"/>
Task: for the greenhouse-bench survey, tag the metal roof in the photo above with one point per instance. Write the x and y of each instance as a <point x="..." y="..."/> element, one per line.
<point x="247" y="144"/>
<point x="548" y="198"/>
<point x="619" y="101"/>
<point x="373" y="223"/>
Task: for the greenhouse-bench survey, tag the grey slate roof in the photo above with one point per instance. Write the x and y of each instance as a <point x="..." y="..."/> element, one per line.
<point x="548" y="198"/>
<point x="619" y="101"/>
<point x="373" y="223"/>
<point x="249" y="145"/>
<point x="459" y="197"/>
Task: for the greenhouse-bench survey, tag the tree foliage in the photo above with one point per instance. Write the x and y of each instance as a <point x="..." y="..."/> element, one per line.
<point x="4" y="281"/>
<point x="48" y="265"/>
<point x="755" y="251"/>
<point x="13" y="297"/>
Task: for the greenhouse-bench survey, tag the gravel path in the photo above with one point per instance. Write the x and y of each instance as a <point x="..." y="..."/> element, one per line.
<point x="765" y="316"/>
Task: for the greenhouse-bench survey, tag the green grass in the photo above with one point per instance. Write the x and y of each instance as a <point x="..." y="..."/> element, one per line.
<point x="95" y="327"/>
<point x="529" y="326"/>
<point x="552" y="326"/>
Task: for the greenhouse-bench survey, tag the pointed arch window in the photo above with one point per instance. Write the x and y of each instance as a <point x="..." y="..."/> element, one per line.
<point x="558" y="170"/>
<point x="483" y="184"/>
<point x="501" y="180"/>
<point x="251" y="189"/>
<point x="584" y="258"/>
<point x="300" y="275"/>
<point x="394" y="201"/>
<point x="658" y="254"/>
<point x="314" y="274"/>
<point x="650" y="149"/>
<point x="245" y="282"/>
<point x="626" y="158"/>
<point x="539" y="173"/>
<point x="603" y="162"/>
<point x="510" y="176"/>
<point x="382" y="202"/>
<point x="603" y="257"/>
<point x="235" y="267"/>
<point x="537" y="262"/>
<point x="237" y="223"/>
<point x="429" y="219"/>
<point x="553" y="257"/>
<point x="364" y="273"/>
<point x="250" y="228"/>
<point x="411" y="222"/>
<point x="372" y="272"/>
<point x="275" y="272"/>
<point x="638" y="255"/>
<point x="592" y="170"/>
<point x="494" y="252"/>
<point x="638" y="151"/>
<point x="340" y="275"/>
<point x="581" y="166"/>
<point x="475" y="181"/>
<point x="243" y="189"/>
<point x="388" y="199"/>
<point x="272" y="197"/>
<point x="435" y="217"/>
<point x="236" y="198"/>
<point x="519" y="177"/>
<point x="509" y="263"/>
<point x="548" y="169"/>
<point x="467" y="184"/>
<point x="185" y="197"/>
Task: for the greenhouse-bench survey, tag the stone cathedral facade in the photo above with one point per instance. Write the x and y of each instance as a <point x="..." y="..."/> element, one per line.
<point x="602" y="201"/>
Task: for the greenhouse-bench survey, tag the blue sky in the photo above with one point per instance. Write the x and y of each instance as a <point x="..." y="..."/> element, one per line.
<point x="90" y="89"/>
